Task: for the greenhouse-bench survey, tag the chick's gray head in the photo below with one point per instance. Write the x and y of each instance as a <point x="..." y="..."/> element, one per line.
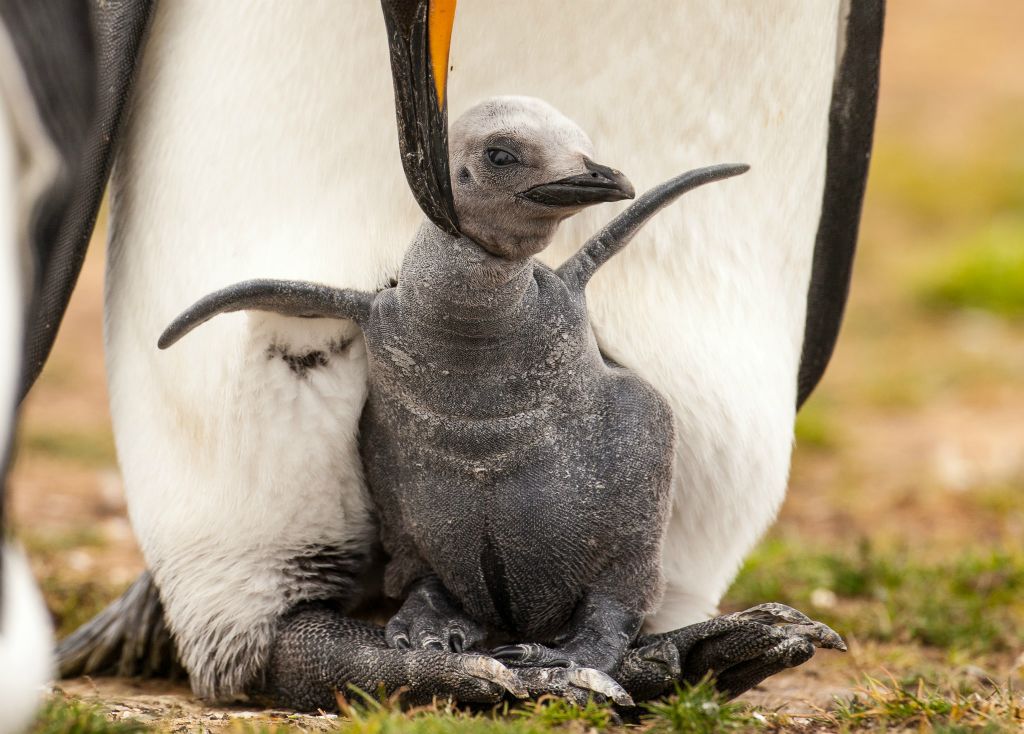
<point x="519" y="167"/>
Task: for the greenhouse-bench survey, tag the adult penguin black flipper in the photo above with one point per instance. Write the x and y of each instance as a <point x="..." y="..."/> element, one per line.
<point x="850" y="134"/>
<point x="120" y="31"/>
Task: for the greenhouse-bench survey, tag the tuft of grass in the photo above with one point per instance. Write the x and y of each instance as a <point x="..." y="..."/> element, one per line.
<point x="917" y="706"/>
<point x="388" y="721"/>
<point x="375" y="716"/>
<point x="554" y="712"/>
<point x="88" y="448"/>
<point x="694" y="710"/>
<point x="986" y="272"/>
<point x="63" y="716"/>
<point x="972" y="603"/>
<point x="698" y="709"/>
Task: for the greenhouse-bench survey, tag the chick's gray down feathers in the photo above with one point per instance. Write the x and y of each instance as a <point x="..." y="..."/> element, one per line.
<point x="521" y="481"/>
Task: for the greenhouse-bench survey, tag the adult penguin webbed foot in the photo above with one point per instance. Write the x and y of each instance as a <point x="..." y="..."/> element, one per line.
<point x="318" y="654"/>
<point x="738" y="650"/>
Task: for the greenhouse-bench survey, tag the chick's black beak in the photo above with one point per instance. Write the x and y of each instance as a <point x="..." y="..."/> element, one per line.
<point x="419" y="35"/>
<point x="598" y="184"/>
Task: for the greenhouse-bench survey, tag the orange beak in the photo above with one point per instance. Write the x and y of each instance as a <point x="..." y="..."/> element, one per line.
<point x="419" y="39"/>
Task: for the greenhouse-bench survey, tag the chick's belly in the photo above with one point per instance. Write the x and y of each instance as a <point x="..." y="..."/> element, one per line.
<point x="518" y="555"/>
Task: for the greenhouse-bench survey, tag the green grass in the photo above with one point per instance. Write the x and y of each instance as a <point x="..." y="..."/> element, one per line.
<point x="986" y="272"/>
<point x="936" y="192"/>
<point x="71" y="600"/>
<point x="450" y="722"/>
<point x="973" y="602"/>
<point x="907" y="705"/>
<point x="700" y="710"/>
<point x="911" y="705"/>
<point x="557" y="712"/>
<point x="89" y="448"/>
<point x="64" y="716"/>
<point x="72" y="603"/>
<point x="372" y="717"/>
<point x="694" y="709"/>
<point x="815" y="428"/>
<point x="915" y="705"/>
<point x="47" y="545"/>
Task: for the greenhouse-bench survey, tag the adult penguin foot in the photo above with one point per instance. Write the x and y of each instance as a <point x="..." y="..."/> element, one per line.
<point x="589" y="650"/>
<point x="739" y="650"/>
<point x="318" y="653"/>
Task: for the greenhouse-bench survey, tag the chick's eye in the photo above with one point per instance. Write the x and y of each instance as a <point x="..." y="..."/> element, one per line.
<point x="500" y="157"/>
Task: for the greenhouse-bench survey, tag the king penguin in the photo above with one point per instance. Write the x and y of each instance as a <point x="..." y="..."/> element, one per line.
<point x="48" y="101"/>
<point x="259" y="142"/>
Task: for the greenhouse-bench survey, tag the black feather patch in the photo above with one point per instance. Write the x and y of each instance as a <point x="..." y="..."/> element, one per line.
<point x="301" y="364"/>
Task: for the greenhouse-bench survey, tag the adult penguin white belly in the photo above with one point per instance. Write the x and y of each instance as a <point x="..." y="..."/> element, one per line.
<point x="260" y="143"/>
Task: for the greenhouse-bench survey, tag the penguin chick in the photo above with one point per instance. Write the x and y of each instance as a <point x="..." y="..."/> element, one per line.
<point x="522" y="482"/>
<point x="520" y="167"/>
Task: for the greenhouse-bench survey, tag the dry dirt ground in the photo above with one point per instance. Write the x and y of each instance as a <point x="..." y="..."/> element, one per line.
<point x="915" y="439"/>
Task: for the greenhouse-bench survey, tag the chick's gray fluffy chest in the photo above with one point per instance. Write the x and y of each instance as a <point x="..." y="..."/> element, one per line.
<point x="503" y="453"/>
<point x="521" y="481"/>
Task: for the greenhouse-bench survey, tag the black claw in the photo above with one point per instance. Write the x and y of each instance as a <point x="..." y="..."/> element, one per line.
<point x="662" y="653"/>
<point x="431" y="643"/>
<point x="531" y="654"/>
<point x="402" y="642"/>
<point x="457" y="640"/>
<point x="575" y="684"/>
<point x="508" y="652"/>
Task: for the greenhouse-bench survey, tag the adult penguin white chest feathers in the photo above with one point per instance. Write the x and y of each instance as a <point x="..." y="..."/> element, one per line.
<point x="260" y="143"/>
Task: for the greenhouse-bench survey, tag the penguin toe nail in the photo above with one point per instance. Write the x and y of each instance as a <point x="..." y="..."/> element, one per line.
<point x="598" y="682"/>
<point x="457" y="640"/>
<point x="509" y="652"/>
<point x="489" y="669"/>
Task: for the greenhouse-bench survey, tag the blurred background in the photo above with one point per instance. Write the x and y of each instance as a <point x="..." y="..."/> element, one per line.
<point x="904" y="525"/>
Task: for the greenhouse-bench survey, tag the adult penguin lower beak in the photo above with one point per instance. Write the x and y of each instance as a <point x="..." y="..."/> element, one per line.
<point x="419" y="38"/>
